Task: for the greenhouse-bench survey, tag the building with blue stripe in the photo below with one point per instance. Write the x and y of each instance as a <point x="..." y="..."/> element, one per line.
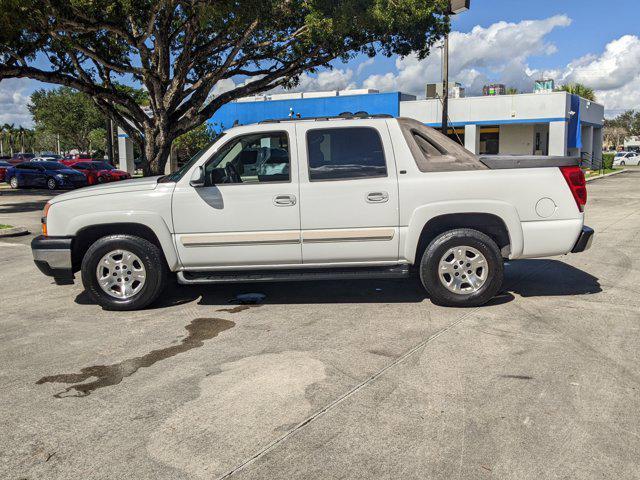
<point x="551" y="123"/>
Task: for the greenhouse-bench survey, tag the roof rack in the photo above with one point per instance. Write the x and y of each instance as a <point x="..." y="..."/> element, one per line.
<point x="342" y="116"/>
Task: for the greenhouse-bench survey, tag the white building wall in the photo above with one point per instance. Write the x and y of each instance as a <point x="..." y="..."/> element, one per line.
<point x="516" y="139"/>
<point x="499" y="109"/>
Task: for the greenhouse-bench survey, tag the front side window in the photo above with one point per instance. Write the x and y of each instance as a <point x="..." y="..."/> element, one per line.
<point x="256" y="158"/>
<point x="345" y="154"/>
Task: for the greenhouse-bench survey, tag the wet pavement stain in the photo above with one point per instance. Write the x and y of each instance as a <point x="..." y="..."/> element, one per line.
<point x="238" y="309"/>
<point x="199" y="330"/>
<point x="517" y="377"/>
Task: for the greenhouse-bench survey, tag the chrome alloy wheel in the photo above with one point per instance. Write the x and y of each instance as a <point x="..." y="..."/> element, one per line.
<point x="463" y="270"/>
<point x="121" y="274"/>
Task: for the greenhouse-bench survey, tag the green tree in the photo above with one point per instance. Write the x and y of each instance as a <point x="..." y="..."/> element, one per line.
<point x="190" y="143"/>
<point x="512" y="91"/>
<point x="180" y="50"/>
<point x="579" y="89"/>
<point x="67" y="113"/>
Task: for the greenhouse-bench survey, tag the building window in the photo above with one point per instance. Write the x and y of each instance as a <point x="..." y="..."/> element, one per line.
<point x="345" y="154"/>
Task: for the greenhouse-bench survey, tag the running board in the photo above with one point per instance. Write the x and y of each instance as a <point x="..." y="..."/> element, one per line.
<point x="293" y="275"/>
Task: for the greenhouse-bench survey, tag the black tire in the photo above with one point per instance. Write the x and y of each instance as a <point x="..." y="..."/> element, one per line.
<point x="429" y="268"/>
<point x="150" y="255"/>
<point x="13" y="182"/>
<point x="622" y="164"/>
<point x="51" y="183"/>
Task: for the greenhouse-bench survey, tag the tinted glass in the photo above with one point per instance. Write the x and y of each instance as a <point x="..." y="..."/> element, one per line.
<point x="82" y="165"/>
<point x="427" y="148"/>
<point x="257" y="158"/>
<point x="53" y="165"/>
<point x="5" y="164"/>
<point x="345" y="153"/>
<point x="102" y="166"/>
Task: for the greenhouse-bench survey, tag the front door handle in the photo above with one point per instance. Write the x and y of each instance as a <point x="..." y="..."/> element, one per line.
<point x="284" y="200"/>
<point x="377" y="197"/>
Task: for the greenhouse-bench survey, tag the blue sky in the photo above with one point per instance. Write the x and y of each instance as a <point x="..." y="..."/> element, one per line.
<point x="511" y="41"/>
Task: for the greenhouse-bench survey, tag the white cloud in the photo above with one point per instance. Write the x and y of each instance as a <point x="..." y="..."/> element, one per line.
<point x="614" y="75"/>
<point x="501" y="49"/>
<point x="363" y="65"/>
<point x="13" y="102"/>
<point x="335" y="79"/>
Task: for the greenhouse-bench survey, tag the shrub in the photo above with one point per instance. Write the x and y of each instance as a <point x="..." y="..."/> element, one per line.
<point x="607" y="160"/>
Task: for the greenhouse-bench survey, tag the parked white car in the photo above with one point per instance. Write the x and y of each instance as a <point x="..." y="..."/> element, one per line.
<point x="626" y="158"/>
<point x="318" y="199"/>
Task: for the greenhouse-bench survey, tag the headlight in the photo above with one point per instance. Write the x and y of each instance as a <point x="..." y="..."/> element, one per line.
<point x="61" y="176"/>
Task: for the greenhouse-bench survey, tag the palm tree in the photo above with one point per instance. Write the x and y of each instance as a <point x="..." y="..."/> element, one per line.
<point x="1" y="140"/>
<point x="580" y="90"/>
<point x="9" y="130"/>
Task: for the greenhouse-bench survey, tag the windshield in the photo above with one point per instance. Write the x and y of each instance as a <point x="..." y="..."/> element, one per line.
<point x="53" y="166"/>
<point x="177" y="175"/>
<point x="103" y="166"/>
<point x="620" y="154"/>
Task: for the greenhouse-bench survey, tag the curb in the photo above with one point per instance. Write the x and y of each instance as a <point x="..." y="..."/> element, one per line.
<point x="13" y="232"/>
<point x="606" y="175"/>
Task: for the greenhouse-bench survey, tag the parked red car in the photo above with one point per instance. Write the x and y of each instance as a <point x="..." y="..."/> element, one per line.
<point x="3" y="169"/>
<point x="76" y="157"/>
<point x="99" y="172"/>
<point x="21" y="158"/>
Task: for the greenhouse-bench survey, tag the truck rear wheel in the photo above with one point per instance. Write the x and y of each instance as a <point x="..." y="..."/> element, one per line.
<point x="462" y="268"/>
<point x="123" y="272"/>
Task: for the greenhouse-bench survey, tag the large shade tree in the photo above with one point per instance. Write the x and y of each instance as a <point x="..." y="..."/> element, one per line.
<point x="66" y="113"/>
<point x="179" y="50"/>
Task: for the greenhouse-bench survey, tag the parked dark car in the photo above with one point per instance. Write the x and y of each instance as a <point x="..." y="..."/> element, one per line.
<point x="100" y="172"/>
<point x="3" y="169"/>
<point x="52" y="175"/>
<point x="21" y="157"/>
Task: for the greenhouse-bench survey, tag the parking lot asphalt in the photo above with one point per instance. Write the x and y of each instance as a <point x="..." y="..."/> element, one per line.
<point x="361" y="379"/>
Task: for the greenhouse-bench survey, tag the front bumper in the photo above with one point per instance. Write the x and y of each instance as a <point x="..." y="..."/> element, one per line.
<point x="52" y="256"/>
<point x="585" y="240"/>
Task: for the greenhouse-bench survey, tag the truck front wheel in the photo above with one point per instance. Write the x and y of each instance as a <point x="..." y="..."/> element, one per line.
<point x="123" y="272"/>
<point x="462" y="268"/>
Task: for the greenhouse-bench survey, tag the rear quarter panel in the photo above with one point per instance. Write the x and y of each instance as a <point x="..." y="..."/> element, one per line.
<point x="511" y="195"/>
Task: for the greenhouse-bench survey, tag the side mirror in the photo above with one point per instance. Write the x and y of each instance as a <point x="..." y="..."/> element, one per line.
<point x="197" y="177"/>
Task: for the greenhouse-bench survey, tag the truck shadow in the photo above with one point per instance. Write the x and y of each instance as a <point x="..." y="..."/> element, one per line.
<point x="526" y="278"/>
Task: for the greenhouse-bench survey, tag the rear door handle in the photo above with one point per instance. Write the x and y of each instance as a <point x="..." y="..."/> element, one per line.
<point x="284" y="200"/>
<point x="377" y="197"/>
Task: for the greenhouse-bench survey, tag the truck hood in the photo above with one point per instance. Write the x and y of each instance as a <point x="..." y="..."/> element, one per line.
<point x="133" y="185"/>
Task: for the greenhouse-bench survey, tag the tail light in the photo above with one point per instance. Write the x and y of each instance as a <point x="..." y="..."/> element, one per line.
<point x="577" y="184"/>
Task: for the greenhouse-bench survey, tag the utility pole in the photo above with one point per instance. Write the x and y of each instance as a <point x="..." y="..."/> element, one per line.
<point x="455" y="7"/>
<point x="445" y="86"/>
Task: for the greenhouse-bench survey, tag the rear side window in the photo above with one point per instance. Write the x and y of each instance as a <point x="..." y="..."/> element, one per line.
<point x="345" y="153"/>
<point x="428" y="149"/>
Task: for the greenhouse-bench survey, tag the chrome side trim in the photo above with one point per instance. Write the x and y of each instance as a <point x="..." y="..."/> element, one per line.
<point x="288" y="237"/>
<point x="240" y="238"/>
<point x="349" y="235"/>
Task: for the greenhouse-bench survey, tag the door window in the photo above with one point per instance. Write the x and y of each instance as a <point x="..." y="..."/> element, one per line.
<point x="257" y="158"/>
<point x="345" y="154"/>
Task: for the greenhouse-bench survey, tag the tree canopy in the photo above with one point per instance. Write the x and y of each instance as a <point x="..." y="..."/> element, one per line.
<point x="180" y="51"/>
<point x="67" y="113"/>
<point x="580" y="90"/>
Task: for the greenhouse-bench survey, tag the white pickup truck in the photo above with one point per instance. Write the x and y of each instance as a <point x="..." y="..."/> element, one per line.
<point x="318" y="199"/>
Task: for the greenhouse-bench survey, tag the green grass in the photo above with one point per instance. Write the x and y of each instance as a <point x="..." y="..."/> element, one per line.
<point x="2" y="226"/>
<point x="596" y="173"/>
